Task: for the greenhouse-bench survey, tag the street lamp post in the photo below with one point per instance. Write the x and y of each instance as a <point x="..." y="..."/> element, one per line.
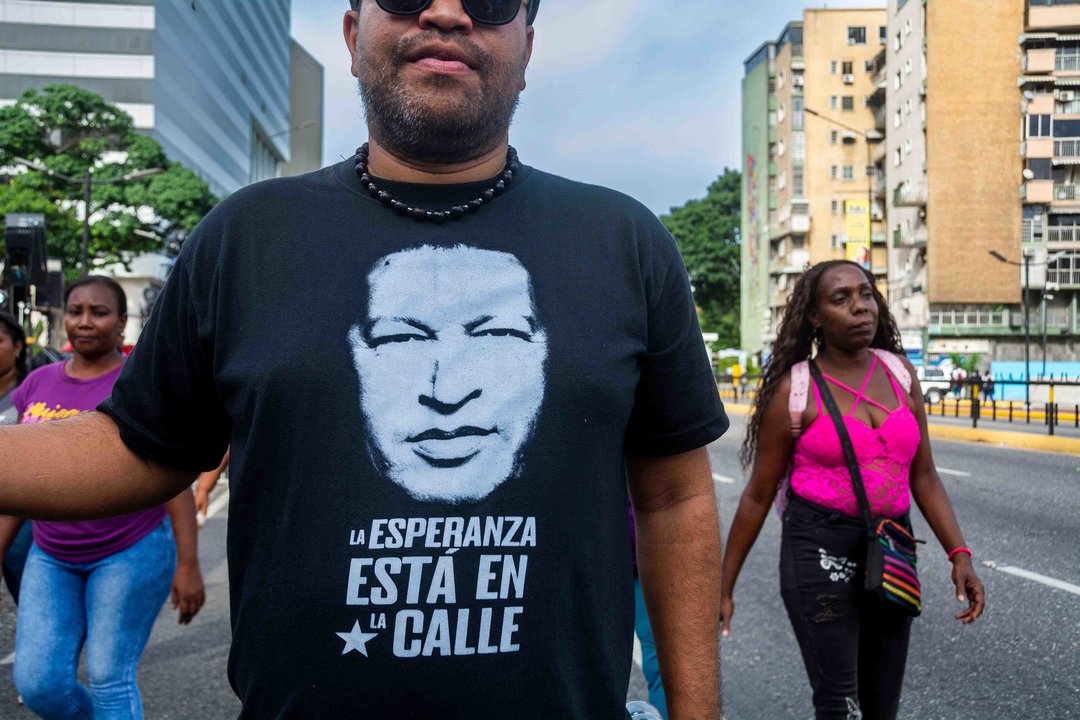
<point x="1026" y="264"/>
<point x="87" y="181"/>
<point x="869" y="178"/>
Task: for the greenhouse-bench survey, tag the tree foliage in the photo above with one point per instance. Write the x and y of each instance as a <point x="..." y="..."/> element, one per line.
<point x="707" y="233"/>
<point x="69" y="129"/>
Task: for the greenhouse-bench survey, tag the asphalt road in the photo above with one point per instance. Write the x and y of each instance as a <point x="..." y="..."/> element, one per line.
<point x="1019" y="510"/>
<point x="1021" y="661"/>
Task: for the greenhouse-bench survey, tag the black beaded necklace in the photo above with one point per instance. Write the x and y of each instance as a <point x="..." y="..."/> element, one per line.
<point x="456" y="212"/>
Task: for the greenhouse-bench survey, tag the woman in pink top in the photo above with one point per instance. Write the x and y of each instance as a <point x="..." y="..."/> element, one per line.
<point x="854" y="657"/>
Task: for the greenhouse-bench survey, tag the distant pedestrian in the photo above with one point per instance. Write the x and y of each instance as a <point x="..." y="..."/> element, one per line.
<point x="650" y="664"/>
<point x="959" y="377"/>
<point x="13" y="370"/>
<point x="95" y="583"/>
<point x="987" y="392"/>
<point x="855" y="652"/>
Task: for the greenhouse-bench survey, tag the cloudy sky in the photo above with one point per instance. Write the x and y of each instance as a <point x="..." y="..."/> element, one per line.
<point x="638" y="95"/>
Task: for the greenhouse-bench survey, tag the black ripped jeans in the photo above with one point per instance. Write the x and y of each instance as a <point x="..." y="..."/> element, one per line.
<point x="854" y="657"/>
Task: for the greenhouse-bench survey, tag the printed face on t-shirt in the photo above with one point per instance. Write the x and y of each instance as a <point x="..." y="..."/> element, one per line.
<point x="450" y="355"/>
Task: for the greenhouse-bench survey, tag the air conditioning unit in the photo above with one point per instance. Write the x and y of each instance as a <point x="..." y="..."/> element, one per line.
<point x="1066" y="95"/>
<point x="797" y="81"/>
<point x="849" y="79"/>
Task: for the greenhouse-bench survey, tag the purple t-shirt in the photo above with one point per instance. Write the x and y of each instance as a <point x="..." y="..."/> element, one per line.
<point x="48" y="394"/>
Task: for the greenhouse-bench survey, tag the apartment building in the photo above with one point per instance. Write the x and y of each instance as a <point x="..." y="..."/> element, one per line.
<point x="980" y="172"/>
<point x="209" y="79"/>
<point x="811" y="143"/>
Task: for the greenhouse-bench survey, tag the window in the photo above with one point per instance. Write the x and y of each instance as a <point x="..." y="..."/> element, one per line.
<point x="1062" y="128"/>
<point x="848" y="67"/>
<point x="869" y="66"/>
<point x="781" y="148"/>
<point x="883" y="34"/>
<point x="898" y="118"/>
<point x="781" y="113"/>
<point x="797" y="188"/>
<point x="834" y="101"/>
<point x="897" y="81"/>
<point x="849" y="103"/>
<point x="1067" y="57"/>
<point x="856" y="35"/>
<point x="796" y="113"/>
<point x="907" y="27"/>
<point x="834" y="171"/>
<point x="898" y="41"/>
<point x="798" y="148"/>
<point x="907" y="147"/>
<point x="834" y="67"/>
<point x="1040" y="168"/>
<point x="897" y="158"/>
<point x="834" y="241"/>
<point x="834" y="206"/>
<point x="1038" y="126"/>
<point x="849" y="172"/>
<point x="871" y="171"/>
<point x="780" y="80"/>
<point x="907" y="67"/>
<point x="833" y="137"/>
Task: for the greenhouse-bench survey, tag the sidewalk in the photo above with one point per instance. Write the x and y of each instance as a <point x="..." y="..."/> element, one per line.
<point x="1018" y="436"/>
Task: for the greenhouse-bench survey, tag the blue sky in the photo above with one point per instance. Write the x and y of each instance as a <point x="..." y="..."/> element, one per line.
<point x="638" y="95"/>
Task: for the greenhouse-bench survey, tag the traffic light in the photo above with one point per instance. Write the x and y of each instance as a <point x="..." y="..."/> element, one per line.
<point x="24" y="262"/>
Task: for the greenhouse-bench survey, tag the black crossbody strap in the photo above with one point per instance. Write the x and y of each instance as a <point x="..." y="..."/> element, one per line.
<point x="845" y="443"/>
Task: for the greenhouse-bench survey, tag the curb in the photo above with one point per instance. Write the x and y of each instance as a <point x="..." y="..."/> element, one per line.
<point x="1000" y="438"/>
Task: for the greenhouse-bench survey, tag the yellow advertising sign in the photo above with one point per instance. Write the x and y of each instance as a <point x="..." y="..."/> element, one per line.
<point x="857" y="221"/>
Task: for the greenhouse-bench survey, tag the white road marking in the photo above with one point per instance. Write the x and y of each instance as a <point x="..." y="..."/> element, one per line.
<point x="1028" y="575"/>
<point x="956" y="473"/>
<point x="723" y="479"/>
<point x="219" y="504"/>
<point x="9" y="660"/>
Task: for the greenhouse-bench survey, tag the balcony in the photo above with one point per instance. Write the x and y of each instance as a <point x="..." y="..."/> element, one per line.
<point x="1066" y="193"/>
<point x="1040" y="60"/>
<point x="971" y="316"/>
<point x="1037" y="148"/>
<point x="1066" y="63"/>
<point x="877" y="238"/>
<point x="1063" y="277"/>
<point x="1066" y="148"/>
<point x="1037" y="191"/>
<point x="1052" y="17"/>
<point x="1063" y="234"/>
<point x="880" y="119"/>
<point x="910" y="195"/>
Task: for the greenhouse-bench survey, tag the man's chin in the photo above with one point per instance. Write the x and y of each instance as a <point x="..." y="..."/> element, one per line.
<point x="450" y="486"/>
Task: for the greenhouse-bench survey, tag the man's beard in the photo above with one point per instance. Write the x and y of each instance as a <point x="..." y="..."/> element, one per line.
<point x="418" y="124"/>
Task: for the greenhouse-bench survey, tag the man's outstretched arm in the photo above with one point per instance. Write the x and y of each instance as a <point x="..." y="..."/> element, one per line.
<point x="678" y="552"/>
<point x="77" y="469"/>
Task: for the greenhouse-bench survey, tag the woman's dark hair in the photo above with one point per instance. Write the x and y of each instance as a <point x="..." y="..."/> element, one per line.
<point x="15" y="331"/>
<point x="796" y="338"/>
<point x="121" y="297"/>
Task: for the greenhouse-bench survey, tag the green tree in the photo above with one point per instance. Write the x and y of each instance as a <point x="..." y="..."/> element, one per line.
<point x="69" y="129"/>
<point x="707" y="233"/>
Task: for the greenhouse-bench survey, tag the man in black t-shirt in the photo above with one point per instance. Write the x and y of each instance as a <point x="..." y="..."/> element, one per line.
<point x="428" y="494"/>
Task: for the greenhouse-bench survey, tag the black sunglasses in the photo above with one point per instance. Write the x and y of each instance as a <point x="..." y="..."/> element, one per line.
<point x="488" y="12"/>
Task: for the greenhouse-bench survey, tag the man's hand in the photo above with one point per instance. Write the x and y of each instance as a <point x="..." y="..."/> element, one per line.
<point x="188" y="591"/>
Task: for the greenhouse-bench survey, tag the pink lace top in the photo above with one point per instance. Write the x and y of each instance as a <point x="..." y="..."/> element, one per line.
<point x="818" y="470"/>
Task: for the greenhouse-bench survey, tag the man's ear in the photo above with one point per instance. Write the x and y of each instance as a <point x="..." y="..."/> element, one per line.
<point x="350" y="26"/>
<point x="528" y="53"/>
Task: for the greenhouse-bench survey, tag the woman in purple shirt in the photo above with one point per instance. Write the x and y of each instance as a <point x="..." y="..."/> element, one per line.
<point x="94" y="583"/>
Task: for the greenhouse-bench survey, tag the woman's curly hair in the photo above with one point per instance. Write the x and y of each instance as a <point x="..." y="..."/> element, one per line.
<point x="796" y="338"/>
<point x="14" y="330"/>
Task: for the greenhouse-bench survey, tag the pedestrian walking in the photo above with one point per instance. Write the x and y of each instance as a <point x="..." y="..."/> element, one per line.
<point x="96" y="583"/>
<point x="427" y="512"/>
<point x="838" y="342"/>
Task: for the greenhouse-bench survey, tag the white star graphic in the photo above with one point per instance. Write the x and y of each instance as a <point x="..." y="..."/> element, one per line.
<point x="356" y="640"/>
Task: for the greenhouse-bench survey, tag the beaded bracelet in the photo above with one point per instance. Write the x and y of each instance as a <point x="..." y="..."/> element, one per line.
<point x="959" y="550"/>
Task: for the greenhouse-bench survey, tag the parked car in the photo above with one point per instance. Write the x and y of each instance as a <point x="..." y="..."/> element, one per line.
<point x="933" y="381"/>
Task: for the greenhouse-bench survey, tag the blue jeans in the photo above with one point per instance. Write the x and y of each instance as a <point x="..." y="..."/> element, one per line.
<point x="649" y="664"/>
<point x="109" y="606"/>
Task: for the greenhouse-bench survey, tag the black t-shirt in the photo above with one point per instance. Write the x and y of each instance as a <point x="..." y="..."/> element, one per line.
<point x="428" y="504"/>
